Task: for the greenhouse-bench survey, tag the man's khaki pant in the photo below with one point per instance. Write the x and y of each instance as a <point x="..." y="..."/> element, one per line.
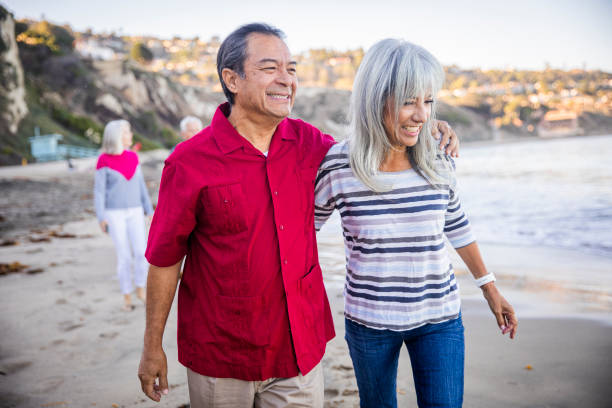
<point x="301" y="391"/>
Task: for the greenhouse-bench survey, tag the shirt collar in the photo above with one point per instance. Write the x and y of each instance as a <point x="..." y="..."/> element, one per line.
<point x="228" y="139"/>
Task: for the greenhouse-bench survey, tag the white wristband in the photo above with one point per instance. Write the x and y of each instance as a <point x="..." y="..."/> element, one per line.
<point x="489" y="277"/>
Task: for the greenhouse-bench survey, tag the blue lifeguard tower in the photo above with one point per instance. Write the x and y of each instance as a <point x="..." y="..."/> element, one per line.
<point x="46" y="148"/>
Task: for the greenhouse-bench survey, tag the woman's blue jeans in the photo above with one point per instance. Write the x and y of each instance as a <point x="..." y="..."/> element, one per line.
<point x="437" y="354"/>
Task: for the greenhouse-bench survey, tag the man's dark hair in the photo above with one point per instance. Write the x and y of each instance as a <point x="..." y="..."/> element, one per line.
<point x="233" y="50"/>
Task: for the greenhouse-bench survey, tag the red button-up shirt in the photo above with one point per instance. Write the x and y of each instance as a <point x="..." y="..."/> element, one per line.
<point x="251" y="304"/>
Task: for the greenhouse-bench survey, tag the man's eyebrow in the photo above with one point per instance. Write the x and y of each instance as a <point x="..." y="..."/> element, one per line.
<point x="272" y="60"/>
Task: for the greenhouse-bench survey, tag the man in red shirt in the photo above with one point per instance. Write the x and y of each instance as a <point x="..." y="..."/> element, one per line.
<point x="237" y="199"/>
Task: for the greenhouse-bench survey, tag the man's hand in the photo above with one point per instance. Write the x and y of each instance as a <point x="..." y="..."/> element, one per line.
<point x="153" y="365"/>
<point x="442" y="131"/>
<point x="161" y="285"/>
<point x="504" y="313"/>
<point x="104" y="226"/>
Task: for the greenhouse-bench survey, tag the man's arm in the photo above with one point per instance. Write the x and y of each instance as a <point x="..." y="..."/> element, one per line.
<point x="442" y="131"/>
<point x="161" y="286"/>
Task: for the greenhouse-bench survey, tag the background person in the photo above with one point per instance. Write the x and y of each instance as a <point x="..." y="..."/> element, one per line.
<point x="190" y="125"/>
<point x="120" y="198"/>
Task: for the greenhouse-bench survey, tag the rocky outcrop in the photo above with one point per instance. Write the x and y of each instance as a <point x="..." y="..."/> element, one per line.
<point x="128" y="90"/>
<point x="13" y="106"/>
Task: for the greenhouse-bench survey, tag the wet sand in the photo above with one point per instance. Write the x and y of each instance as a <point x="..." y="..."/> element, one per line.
<point x="65" y="342"/>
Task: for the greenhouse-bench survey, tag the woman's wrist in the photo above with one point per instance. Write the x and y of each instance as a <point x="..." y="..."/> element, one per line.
<point x="485" y="279"/>
<point x="489" y="289"/>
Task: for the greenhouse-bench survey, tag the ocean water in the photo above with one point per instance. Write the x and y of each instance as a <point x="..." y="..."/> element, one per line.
<point x="552" y="193"/>
<point x="530" y="201"/>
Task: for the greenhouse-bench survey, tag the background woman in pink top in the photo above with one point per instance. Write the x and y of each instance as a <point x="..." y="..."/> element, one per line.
<point x="121" y="198"/>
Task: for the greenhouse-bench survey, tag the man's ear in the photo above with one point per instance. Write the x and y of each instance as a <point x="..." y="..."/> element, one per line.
<point x="230" y="78"/>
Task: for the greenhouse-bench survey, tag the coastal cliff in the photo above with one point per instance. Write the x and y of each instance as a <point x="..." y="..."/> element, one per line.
<point x="13" y="106"/>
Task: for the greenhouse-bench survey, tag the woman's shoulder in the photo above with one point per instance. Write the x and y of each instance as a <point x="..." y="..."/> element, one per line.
<point x="336" y="157"/>
<point x="130" y="155"/>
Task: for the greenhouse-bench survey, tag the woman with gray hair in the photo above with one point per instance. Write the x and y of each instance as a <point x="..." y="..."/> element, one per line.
<point x="397" y="198"/>
<point x="120" y="196"/>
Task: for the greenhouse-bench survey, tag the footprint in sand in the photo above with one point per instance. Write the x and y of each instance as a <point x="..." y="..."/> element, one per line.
<point x="49" y="384"/>
<point x="86" y="310"/>
<point x="68" y="325"/>
<point x="342" y="367"/>
<point x="8" y="368"/>
<point x="120" y="322"/>
<point x="346" y="393"/>
<point x="331" y="393"/>
<point x="337" y="404"/>
<point x="109" y="335"/>
<point x="61" y="301"/>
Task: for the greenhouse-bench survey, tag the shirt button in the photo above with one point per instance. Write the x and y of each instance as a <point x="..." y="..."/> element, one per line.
<point x="225" y="201"/>
<point x="276" y="193"/>
<point x="282" y="227"/>
<point x="285" y="262"/>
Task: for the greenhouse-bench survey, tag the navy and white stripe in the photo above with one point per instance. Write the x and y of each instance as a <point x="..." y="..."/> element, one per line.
<point x="399" y="274"/>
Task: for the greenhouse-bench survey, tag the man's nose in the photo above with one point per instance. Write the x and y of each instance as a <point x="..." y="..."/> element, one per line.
<point x="284" y="77"/>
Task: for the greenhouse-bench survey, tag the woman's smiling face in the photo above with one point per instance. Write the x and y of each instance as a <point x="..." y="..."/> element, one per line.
<point x="411" y="117"/>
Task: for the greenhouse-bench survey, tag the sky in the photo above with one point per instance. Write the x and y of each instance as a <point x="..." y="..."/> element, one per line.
<point x="483" y="34"/>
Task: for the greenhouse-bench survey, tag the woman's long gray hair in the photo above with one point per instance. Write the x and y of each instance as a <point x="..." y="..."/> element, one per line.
<point x="392" y="72"/>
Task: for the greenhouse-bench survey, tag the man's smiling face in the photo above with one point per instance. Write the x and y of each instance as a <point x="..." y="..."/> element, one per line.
<point x="270" y="81"/>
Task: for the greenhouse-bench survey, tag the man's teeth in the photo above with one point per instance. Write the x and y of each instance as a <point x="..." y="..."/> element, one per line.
<point x="279" y="96"/>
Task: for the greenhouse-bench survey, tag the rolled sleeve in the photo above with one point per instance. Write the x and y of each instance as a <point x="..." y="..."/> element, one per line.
<point x="456" y="224"/>
<point x="324" y="202"/>
<point x="174" y="219"/>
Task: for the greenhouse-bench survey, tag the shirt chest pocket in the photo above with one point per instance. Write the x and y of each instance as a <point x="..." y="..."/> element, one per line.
<point x="306" y="179"/>
<point x="224" y="208"/>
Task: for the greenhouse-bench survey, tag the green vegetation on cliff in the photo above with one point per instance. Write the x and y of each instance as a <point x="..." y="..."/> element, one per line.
<point x="141" y="53"/>
<point x="58" y="39"/>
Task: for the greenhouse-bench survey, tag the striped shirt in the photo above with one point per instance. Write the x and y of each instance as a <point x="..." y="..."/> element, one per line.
<point x="399" y="274"/>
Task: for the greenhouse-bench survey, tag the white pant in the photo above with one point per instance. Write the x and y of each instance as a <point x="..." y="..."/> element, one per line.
<point x="126" y="227"/>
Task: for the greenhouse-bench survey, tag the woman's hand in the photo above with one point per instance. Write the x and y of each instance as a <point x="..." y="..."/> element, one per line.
<point x="443" y="132"/>
<point x="504" y="313"/>
<point x="104" y="226"/>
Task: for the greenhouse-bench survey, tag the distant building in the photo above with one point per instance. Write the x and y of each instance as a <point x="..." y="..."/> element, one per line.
<point x="558" y="124"/>
<point x="98" y="49"/>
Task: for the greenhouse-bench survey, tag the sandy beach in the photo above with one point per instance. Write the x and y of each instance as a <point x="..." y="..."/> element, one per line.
<point x="64" y="342"/>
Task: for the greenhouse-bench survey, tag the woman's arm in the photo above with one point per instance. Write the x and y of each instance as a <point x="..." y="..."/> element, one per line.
<point x="100" y="196"/>
<point x="144" y="194"/>
<point x="503" y="311"/>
